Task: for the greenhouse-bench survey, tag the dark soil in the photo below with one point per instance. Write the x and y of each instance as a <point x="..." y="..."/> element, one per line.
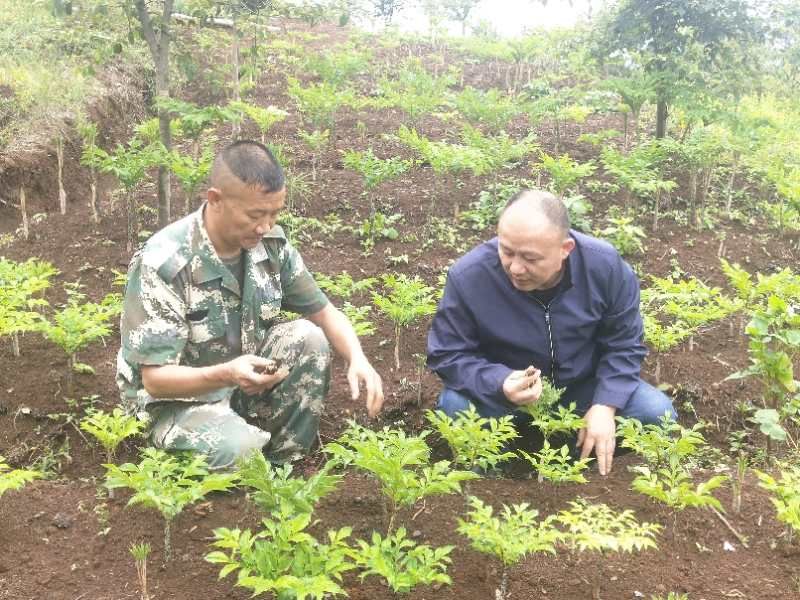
<point x="62" y="540"/>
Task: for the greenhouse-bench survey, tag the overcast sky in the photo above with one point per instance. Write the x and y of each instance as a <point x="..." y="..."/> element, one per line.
<point x="511" y="17"/>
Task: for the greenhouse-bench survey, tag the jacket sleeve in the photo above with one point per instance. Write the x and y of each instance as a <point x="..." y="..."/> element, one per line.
<point x="454" y="353"/>
<point x="619" y="341"/>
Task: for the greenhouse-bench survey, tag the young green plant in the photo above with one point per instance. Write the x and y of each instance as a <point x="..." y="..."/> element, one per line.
<point x="564" y="172"/>
<point x="20" y="283"/>
<point x="598" y="528"/>
<point x="405" y="301"/>
<point x="167" y="483"/>
<point x="79" y="323"/>
<point x="477" y="443"/>
<point x="552" y="419"/>
<point x="15" y="479"/>
<point x="785" y="491"/>
<point x="140" y="552"/>
<point x="277" y="492"/>
<point x="402" y="562"/>
<point x="317" y="141"/>
<point x="284" y="559"/>
<point x="401" y="463"/>
<point x="668" y="449"/>
<point x="111" y="429"/>
<point x="508" y="537"/>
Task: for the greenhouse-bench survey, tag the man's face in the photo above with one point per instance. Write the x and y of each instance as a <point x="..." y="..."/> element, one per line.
<point x="532" y="257"/>
<point x="243" y="213"/>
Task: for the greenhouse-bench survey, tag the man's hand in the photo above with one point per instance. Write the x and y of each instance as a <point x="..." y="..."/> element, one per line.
<point x="599" y="435"/>
<point x="523" y="387"/>
<point x="360" y="370"/>
<point x="254" y="374"/>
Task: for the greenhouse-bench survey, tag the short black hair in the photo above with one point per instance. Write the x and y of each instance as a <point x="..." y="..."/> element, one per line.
<point x="253" y="164"/>
<point x="551" y="206"/>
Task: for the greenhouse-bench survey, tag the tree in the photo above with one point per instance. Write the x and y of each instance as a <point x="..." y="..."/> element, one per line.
<point x="685" y="45"/>
<point x="156" y="32"/>
<point x="386" y="9"/>
<point x="458" y="10"/>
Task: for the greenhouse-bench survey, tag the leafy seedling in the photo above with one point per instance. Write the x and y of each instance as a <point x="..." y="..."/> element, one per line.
<point x="785" y="491"/>
<point x="277" y="492"/>
<point x="15" y="479"/>
<point x="407" y="301"/>
<point x="344" y="286"/>
<point x="316" y="140"/>
<point x="509" y="537"/>
<point x="477" y="443"/>
<point x="668" y="449"/>
<point x="556" y="464"/>
<point x="20" y="283"/>
<point x="284" y="559"/>
<point x="402" y="562"/>
<point x="79" y="323"/>
<point x="167" y="483"/>
<point x="598" y="528"/>
<point x="111" y="429"/>
<point x="400" y="463"/>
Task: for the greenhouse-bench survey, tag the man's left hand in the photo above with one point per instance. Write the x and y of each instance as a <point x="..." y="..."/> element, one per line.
<point x="361" y="371"/>
<point x="599" y="434"/>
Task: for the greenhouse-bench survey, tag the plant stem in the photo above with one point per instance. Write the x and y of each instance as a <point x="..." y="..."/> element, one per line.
<point x="23" y="208"/>
<point x="167" y="541"/>
<point x="93" y="199"/>
<point x="141" y="572"/>
<point x="130" y="207"/>
<point x="397" y="347"/>
<point x="502" y="592"/>
<point x="15" y="344"/>
<point x="62" y="195"/>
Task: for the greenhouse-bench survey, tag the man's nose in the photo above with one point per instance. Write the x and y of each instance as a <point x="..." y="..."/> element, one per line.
<point x="264" y="227"/>
<point x="516" y="268"/>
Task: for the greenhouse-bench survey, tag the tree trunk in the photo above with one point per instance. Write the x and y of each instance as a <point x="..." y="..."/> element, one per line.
<point x="158" y="42"/>
<point x="15" y="344"/>
<point x="235" y="129"/>
<point x="693" y="198"/>
<point x="162" y="90"/>
<point x="661" y="119"/>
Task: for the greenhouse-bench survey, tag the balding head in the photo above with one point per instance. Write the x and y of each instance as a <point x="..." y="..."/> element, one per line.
<point x="533" y="240"/>
<point x="249" y="163"/>
<point x="539" y="210"/>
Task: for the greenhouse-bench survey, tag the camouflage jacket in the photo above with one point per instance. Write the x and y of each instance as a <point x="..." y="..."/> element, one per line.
<point x="180" y="301"/>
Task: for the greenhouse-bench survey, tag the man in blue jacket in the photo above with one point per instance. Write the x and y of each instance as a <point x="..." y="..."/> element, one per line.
<point x="541" y="298"/>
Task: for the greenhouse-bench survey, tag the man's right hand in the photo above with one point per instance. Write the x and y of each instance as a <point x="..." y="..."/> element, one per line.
<point x="254" y="374"/>
<point x="523" y="387"/>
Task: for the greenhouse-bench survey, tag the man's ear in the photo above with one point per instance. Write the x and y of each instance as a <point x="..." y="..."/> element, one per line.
<point x="214" y="197"/>
<point x="567" y="246"/>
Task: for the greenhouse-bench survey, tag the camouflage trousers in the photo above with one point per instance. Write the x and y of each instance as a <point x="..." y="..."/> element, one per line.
<point x="286" y="417"/>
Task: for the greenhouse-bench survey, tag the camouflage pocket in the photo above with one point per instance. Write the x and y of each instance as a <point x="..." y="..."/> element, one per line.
<point x="205" y="330"/>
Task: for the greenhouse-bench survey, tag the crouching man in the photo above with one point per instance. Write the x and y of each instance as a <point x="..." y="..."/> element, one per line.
<point x="543" y="299"/>
<point x="202" y="355"/>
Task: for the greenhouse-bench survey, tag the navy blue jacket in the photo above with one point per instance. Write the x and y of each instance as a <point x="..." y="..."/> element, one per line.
<point x="485" y="327"/>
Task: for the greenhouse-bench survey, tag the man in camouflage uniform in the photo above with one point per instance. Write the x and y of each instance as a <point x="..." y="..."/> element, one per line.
<point x="201" y="351"/>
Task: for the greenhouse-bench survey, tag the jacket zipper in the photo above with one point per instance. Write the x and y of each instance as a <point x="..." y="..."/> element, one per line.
<point x="546" y="308"/>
